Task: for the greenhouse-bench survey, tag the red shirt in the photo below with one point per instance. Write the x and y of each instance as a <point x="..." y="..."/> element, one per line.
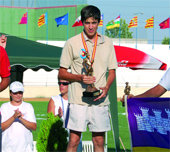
<point x="4" y="63"/>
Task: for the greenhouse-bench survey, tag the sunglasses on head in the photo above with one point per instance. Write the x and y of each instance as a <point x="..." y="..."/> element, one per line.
<point x="63" y="83"/>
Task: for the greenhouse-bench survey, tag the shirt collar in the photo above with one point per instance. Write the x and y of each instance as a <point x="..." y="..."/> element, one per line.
<point x="100" y="38"/>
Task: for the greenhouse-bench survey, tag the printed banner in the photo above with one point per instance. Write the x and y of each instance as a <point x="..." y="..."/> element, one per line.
<point x="149" y="124"/>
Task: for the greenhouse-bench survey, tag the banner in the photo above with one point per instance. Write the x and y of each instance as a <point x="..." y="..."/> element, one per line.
<point x="149" y="124"/>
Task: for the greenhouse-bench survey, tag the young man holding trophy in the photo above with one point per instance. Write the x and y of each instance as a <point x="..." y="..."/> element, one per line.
<point x="89" y="55"/>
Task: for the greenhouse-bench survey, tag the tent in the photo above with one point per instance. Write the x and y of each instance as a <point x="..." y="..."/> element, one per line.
<point x="26" y="54"/>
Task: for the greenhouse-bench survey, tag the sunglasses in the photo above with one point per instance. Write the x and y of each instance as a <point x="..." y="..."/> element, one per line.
<point x="63" y="83"/>
<point x="19" y="92"/>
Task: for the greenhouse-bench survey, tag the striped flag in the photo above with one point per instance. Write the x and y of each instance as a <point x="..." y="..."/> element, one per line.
<point x="149" y="23"/>
<point x="42" y="20"/>
<point x="114" y="24"/>
<point x="24" y="19"/>
<point x="133" y="22"/>
<point x="101" y="21"/>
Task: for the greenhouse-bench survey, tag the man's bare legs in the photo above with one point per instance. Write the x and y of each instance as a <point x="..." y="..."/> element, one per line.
<point x="98" y="141"/>
<point x="73" y="141"/>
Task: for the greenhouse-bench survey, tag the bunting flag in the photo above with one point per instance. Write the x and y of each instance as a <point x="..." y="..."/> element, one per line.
<point x="149" y="23"/>
<point x="149" y="124"/>
<point x="42" y="20"/>
<point x="133" y="22"/>
<point x="78" y="22"/>
<point x="62" y="20"/>
<point x="165" y="24"/>
<point x="101" y="21"/>
<point x="114" y="24"/>
<point x="24" y="19"/>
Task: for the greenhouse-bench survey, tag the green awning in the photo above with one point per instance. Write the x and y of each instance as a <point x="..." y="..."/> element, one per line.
<point x="32" y="55"/>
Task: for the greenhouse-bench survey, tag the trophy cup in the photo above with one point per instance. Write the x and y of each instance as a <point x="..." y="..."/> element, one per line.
<point x="91" y="90"/>
<point x="127" y="92"/>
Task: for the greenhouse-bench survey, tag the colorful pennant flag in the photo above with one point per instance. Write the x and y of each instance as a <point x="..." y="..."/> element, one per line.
<point x="149" y="23"/>
<point x="165" y="24"/>
<point x="149" y="124"/>
<point x="62" y="20"/>
<point x="78" y="22"/>
<point x="133" y="22"/>
<point x="101" y="21"/>
<point x="24" y="19"/>
<point x="42" y="20"/>
<point x="114" y="24"/>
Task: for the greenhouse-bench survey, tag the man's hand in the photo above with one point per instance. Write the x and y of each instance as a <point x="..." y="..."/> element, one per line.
<point x="88" y="79"/>
<point x="60" y="112"/>
<point x="128" y="97"/>
<point x="3" y="40"/>
<point x="103" y="94"/>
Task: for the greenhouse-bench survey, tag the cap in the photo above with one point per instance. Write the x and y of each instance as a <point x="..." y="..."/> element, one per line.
<point x="16" y="86"/>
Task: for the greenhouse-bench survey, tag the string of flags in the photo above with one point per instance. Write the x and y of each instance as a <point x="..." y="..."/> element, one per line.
<point x="63" y="20"/>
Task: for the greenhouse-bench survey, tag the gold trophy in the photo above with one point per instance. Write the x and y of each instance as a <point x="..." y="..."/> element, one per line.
<point x="91" y="90"/>
<point x="126" y="91"/>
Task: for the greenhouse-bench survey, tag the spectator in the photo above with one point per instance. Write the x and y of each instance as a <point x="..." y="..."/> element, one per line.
<point x="17" y="122"/>
<point x="58" y="105"/>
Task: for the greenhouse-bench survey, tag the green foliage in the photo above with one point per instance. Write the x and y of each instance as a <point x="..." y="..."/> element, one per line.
<point x="52" y="136"/>
<point x="124" y="32"/>
<point x="165" y="40"/>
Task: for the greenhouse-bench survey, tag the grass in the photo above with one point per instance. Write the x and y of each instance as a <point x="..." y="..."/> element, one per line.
<point x="40" y="109"/>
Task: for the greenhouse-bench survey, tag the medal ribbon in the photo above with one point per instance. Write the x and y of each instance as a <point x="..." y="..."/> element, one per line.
<point x="94" y="48"/>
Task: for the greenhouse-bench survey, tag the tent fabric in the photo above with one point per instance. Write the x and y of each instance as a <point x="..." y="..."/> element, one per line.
<point x="26" y="54"/>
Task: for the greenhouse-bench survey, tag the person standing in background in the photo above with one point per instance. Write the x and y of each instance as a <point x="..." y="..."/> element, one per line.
<point x="58" y="105"/>
<point x="17" y="121"/>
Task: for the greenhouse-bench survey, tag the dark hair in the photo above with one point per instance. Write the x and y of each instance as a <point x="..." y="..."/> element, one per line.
<point x="90" y="11"/>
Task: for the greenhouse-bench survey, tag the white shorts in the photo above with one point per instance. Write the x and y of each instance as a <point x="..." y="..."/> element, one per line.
<point x="95" y="117"/>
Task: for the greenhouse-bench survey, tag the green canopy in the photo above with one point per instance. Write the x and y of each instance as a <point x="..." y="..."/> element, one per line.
<point x="26" y="54"/>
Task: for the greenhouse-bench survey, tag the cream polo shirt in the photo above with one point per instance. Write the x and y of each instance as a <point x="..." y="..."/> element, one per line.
<point x="105" y="59"/>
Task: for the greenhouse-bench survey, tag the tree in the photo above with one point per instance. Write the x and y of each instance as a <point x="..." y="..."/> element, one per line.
<point x="124" y="30"/>
<point x="165" y="40"/>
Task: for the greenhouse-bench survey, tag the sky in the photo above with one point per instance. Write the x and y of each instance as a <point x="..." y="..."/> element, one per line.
<point x="111" y="9"/>
<point x="144" y="9"/>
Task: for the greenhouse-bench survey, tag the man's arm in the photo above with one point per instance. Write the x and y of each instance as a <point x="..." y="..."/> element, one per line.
<point x="156" y="91"/>
<point x="65" y="75"/>
<point x="110" y="79"/>
<point x="4" y="83"/>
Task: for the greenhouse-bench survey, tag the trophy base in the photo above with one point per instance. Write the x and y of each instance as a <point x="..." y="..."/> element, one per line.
<point x="91" y="94"/>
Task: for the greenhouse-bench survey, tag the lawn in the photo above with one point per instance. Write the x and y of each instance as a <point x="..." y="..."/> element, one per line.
<point x="40" y="109"/>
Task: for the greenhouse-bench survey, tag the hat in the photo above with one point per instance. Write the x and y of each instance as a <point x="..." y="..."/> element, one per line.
<point x="16" y="86"/>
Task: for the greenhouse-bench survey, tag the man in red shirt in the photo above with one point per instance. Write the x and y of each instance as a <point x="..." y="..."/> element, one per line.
<point x="4" y="64"/>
